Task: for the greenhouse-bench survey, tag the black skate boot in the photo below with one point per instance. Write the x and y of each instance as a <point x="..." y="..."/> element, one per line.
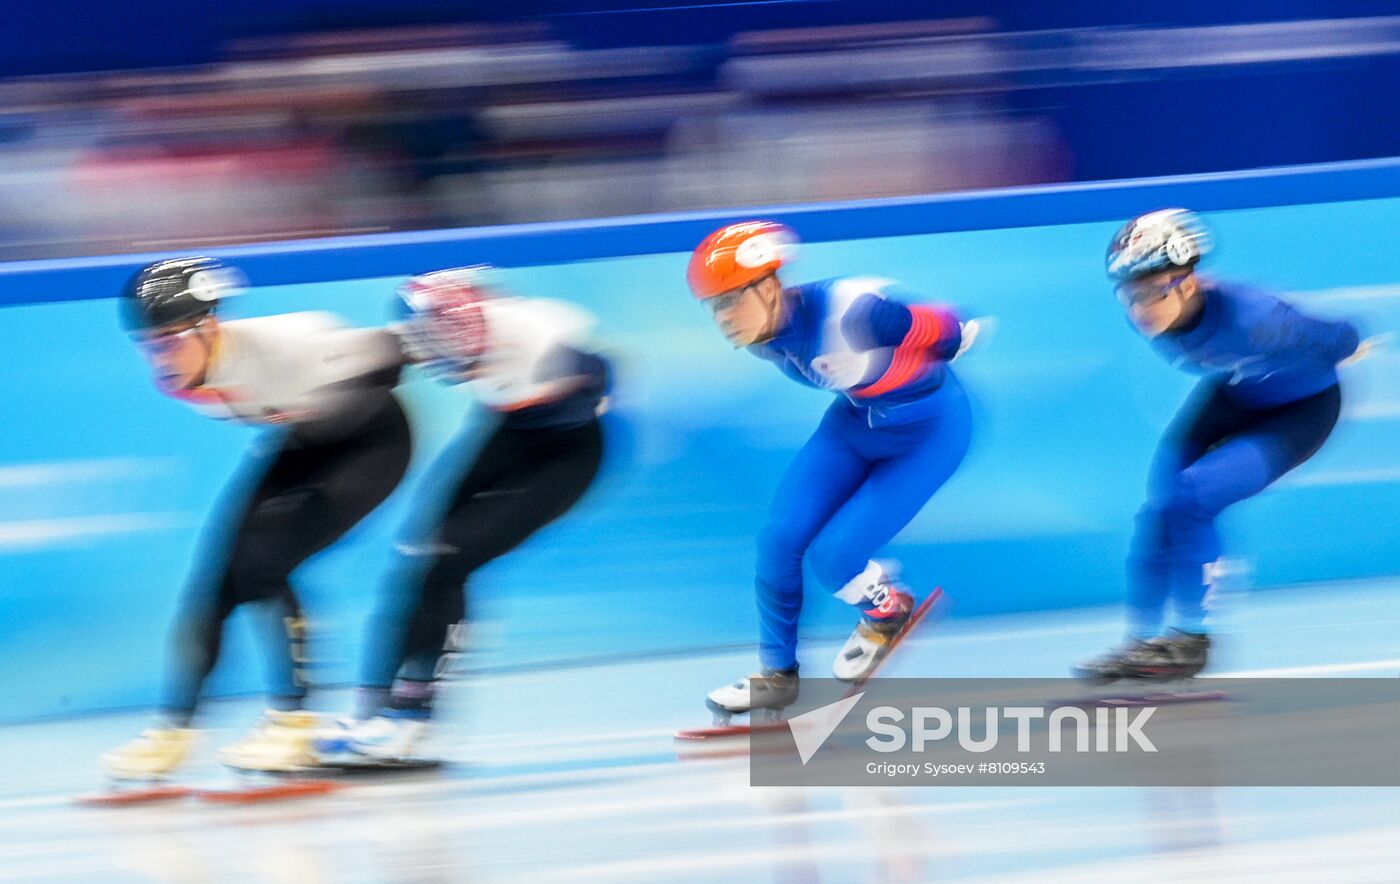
<point x="1110" y="666"/>
<point x="1175" y="656"/>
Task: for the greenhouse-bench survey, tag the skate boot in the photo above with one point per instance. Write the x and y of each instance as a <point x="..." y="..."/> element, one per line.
<point x="1109" y="666"/>
<point x="280" y="742"/>
<point x="873" y="637"/>
<point x="151" y="756"/>
<point x="1176" y="656"/>
<point x="1179" y="655"/>
<point x="765" y="695"/>
<point x="390" y="735"/>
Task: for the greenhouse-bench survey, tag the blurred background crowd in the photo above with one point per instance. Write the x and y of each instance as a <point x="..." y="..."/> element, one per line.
<point x="280" y="119"/>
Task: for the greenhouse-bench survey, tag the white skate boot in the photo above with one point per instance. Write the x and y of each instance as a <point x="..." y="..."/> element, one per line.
<point x="280" y="742"/>
<point x="151" y="756"/>
<point x="765" y="695"/>
<point x="391" y="735"/>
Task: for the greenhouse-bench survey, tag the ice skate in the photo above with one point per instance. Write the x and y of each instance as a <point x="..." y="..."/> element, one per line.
<point x="150" y="757"/>
<point x="762" y="696"/>
<point x="391" y="739"/>
<point x="1176" y="656"/>
<point x="138" y="771"/>
<point x="1110" y="666"/>
<point x="1155" y="671"/>
<point x="873" y="638"/>
<point x="765" y="695"/>
<point x="281" y="742"/>
<point x="1173" y="657"/>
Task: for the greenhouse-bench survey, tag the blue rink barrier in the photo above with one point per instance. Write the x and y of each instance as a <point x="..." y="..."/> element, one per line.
<point x="106" y="484"/>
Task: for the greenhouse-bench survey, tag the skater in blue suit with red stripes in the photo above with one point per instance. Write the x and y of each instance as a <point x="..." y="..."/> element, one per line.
<point x="897" y="431"/>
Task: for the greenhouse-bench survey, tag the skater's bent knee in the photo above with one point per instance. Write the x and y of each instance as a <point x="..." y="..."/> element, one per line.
<point x="1186" y="500"/>
<point x="778" y="543"/>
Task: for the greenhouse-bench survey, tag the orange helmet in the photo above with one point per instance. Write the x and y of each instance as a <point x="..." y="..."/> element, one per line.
<point x="737" y="255"/>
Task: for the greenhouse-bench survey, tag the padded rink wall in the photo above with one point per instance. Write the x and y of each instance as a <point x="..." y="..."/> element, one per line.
<point x="105" y="484"/>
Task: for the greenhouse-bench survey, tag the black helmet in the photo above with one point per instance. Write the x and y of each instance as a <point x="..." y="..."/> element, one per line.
<point x="175" y="291"/>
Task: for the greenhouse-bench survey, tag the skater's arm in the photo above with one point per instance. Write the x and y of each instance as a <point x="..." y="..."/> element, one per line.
<point x="919" y="334"/>
<point x="924" y="329"/>
<point x="352" y="354"/>
<point x="322" y="375"/>
<point x="541" y="356"/>
<point x="562" y="372"/>
<point x="412" y="345"/>
<point x="1289" y="330"/>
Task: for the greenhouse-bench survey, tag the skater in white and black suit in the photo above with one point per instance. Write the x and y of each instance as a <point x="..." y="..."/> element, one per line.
<point x="336" y="444"/>
<point x="531" y="363"/>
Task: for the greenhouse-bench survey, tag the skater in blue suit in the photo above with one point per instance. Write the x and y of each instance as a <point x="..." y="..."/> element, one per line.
<point x="897" y="431"/>
<point x="1267" y="402"/>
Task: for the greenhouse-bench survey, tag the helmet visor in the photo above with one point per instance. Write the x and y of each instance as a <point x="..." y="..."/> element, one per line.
<point x="160" y="342"/>
<point x="1146" y="292"/>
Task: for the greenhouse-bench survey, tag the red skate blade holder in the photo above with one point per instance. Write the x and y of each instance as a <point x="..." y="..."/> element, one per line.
<point x="124" y="797"/>
<point x="291" y="788"/>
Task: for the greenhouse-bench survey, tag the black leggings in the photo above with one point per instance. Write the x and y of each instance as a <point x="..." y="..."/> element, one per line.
<point x="303" y="499"/>
<point x="521" y="480"/>
<point x="1215" y="454"/>
<point x="1293" y="432"/>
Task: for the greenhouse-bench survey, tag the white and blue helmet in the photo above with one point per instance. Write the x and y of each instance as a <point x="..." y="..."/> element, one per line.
<point x="1161" y="240"/>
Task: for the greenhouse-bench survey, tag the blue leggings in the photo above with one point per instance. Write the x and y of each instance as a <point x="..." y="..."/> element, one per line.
<point x="1215" y="453"/>
<point x="847" y="493"/>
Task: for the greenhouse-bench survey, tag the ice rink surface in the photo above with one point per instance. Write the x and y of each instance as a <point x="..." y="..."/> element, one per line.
<point x="571" y="775"/>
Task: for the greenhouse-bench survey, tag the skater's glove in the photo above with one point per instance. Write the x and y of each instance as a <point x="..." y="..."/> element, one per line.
<point x="972" y="329"/>
<point x="1366" y="348"/>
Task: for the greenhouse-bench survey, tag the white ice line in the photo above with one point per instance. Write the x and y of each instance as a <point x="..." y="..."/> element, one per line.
<point x="1329" y="857"/>
<point x="91" y="470"/>
<point x="1381" y="476"/>
<point x="1351" y="293"/>
<point x="531" y="742"/>
<point x="1372" y="410"/>
<point x="670" y="865"/>
<point x="1305" y="671"/>
<point x="463" y="788"/>
<point x="440" y="824"/>
<point x="40" y="533"/>
<point x="809" y="817"/>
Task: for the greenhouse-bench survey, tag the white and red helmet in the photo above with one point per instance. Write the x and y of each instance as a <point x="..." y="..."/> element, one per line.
<point x="443" y="318"/>
<point x="738" y="255"/>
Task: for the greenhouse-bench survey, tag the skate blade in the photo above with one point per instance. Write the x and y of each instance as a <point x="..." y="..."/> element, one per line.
<point x="1165" y="698"/>
<point x="122" y="797"/>
<point x="254" y="794"/>
<point x="760" y="720"/>
<point x="729" y="730"/>
<point x="372" y="766"/>
<point x="1139" y="698"/>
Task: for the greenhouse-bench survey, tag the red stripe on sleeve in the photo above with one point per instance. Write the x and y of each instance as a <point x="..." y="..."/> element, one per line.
<point x="929" y="325"/>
